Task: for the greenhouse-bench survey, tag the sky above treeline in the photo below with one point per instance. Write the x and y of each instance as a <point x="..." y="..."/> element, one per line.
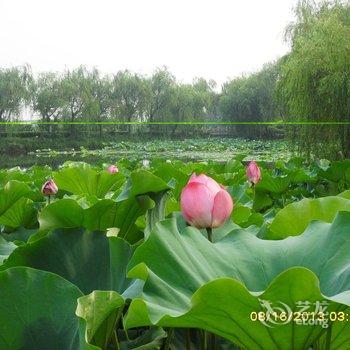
<point x="214" y="39"/>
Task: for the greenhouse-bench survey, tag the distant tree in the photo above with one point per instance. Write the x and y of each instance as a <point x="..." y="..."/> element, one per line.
<point x="191" y="102"/>
<point x="131" y="96"/>
<point x="208" y="96"/>
<point x="251" y="99"/>
<point x="74" y="89"/>
<point x="185" y="106"/>
<point x="47" y="96"/>
<point x="162" y="84"/>
<point x="314" y="84"/>
<point x="15" y="90"/>
<point x="97" y="97"/>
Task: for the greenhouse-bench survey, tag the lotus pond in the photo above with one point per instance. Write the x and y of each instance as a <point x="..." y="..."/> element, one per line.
<point x="109" y="261"/>
<point x="191" y="149"/>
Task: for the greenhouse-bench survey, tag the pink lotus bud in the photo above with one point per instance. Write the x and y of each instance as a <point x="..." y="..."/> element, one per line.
<point x="49" y="188"/>
<point x="205" y="203"/>
<point x="253" y="172"/>
<point x="112" y="169"/>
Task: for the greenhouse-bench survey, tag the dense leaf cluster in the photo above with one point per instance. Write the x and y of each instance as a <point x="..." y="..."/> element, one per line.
<point x="110" y="262"/>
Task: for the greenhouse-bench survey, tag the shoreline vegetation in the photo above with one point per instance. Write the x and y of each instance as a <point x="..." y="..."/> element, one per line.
<point x="310" y="83"/>
<point x="27" y="153"/>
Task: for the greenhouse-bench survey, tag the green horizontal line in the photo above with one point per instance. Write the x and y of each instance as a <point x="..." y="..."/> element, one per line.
<point x="177" y="123"/>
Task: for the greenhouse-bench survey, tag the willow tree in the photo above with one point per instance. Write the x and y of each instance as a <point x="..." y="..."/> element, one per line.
<point x="250" y="98"/>
<point x="74" y="87"/>
<point x="15" y="89"/>
<point x="163" y="85"/>
<point x="96" y="98"/>
<point x="131" y="96"/>
<point x="314" y="83"/>
<point x="47" y="98"/>
<point x="190" y="102"/>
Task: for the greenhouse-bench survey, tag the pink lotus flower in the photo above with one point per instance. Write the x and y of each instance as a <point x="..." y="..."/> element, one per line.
<point x="205" y="203"/>
<point x="112" y="169"/>
<point x="253" y="172"/>
<point x="49" y="188"/>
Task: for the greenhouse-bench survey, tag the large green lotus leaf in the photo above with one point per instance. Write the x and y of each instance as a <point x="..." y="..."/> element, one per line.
<point x="340" y="333"/>
<point x="37" y="311"/>
<point x="302" y="175"/>
<point x="13" y="191"/>
<point x="22" y="212"/>
<point x="142" y="182"/>
<point x="262" y="200"/>
<point x="294" y="168"/>
<point x="223" y="306"/>
<point x="157" y="212"/>
<point x="104" y="214"/>
<point x="336" y="170"/>
<point x="35" y="174"/>
<point x="345" y="194"/>
<point x="191" y="282"/>
<point x="167" y="172"/>
<point x="150" y="339"/>
<point x="293" y="219"/>
<point x="98" y="314"/>
<point x="152" y="190"/>
<point x="6" y="248"/>
<point x="235" y="165"/>
<point x="63" y="213"/>
<point x="239" y="194"/>
<point x="16" y="207"/>
<point x="82" y="179"/>
<point x="244" y="217"/>
<point x="217" y="233"/>
<point x="90" y="260"/>
<point x="20" y="235"/>
<point x="13" y="174"/>
<point x="273" y="184"/>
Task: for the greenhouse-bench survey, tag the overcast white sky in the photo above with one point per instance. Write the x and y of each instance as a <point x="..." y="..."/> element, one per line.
<point x="216" y="39"/>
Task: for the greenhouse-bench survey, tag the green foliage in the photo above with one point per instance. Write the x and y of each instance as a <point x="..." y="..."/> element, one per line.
<point x="314" y="82"/>
<point x="81" y="179"/>
<point x="217" y="286"/>
<point x="311" y="83"/>
<point x="131" y="96"/>
<point x="162" y="84"/>
<point x="16" y="207"/>
<point x="99" y="312"/>
<point x="121" y="240"/>
<point x="88" y="259"/>
<point x="48" y="97"/>
<point x="33" y="301"/>
<point x="251" y="98"/>
<point x="289" y="222"/>
<point x="15" y="88"/>
<point x="190" y="149"/>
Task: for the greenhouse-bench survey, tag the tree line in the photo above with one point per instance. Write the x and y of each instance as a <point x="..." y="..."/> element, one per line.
<point x="310" y="83"/>
<point x="314" y="78"/>
<point x="89" y="96"/>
